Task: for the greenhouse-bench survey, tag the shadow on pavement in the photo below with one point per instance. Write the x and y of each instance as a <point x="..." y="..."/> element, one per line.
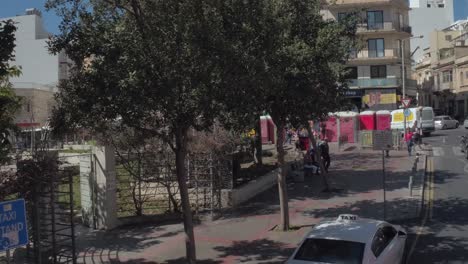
<point x="257" y="251"/>
<point x="105" y="246"/>
<point x="444" y="237"/>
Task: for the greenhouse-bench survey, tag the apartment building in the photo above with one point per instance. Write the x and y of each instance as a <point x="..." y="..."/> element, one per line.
<point x="376" y="77"/>
<point x="41" y="71"/>
<point x="442" y="74"/>
<point x="425" y="17"/>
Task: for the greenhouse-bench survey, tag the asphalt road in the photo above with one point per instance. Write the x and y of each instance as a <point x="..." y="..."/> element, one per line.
<point x="441" y="236"/>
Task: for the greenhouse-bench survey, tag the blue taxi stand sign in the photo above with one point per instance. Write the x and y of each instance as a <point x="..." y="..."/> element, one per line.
<point x="13" y="228"/>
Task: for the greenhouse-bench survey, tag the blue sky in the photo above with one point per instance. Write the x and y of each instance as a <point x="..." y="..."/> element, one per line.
<point x="10" y="8"/>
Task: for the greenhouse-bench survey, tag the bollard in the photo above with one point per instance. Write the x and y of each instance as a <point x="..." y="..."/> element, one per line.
<point x="410" y="186"/>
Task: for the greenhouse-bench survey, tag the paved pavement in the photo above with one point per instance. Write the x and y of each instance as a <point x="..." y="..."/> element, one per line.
<point x="247" y="235"/>
<point x="442" y="235"/>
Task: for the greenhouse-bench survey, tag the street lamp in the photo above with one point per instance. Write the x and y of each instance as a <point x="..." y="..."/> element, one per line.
<point x="403" y="72"/>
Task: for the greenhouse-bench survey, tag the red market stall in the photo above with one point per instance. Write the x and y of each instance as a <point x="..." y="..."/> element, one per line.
<point x="383" y="120"/>
<point x="331" y="127"/>
<point x="367" y="120"/>
<point x="268" y="130"/>
<point x="349" y="126"/>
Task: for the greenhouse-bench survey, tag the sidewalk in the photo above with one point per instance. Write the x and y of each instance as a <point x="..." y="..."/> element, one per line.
<point x="245" y="235"/>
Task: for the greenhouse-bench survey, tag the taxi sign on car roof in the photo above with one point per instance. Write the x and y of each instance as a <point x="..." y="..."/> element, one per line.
<point x="347" y="217"/>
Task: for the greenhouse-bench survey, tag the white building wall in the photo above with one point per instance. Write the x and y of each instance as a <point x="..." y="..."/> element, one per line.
<point x="424" y="19"/>
<point x="38" y="66"/>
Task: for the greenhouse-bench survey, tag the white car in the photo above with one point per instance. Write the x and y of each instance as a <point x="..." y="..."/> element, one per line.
<point x="352" y="240"/>
<point x="445" y="122"/>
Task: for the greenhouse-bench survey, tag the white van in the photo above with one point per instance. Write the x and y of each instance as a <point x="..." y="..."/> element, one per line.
<point x="426" y="114"/>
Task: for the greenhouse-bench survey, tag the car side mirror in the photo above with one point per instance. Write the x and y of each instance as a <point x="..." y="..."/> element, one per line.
<point x="401" y="234"/>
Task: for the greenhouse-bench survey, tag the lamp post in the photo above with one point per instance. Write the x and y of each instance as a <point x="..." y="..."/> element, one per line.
<point x="403" y="73"/>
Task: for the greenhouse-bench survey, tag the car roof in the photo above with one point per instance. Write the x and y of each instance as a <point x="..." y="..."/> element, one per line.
<point x="441" y="116"/>
<point x="361" y="230"/>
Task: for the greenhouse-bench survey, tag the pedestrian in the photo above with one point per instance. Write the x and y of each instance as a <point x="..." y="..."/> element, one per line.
<point x="310" y="165"/>
<point x="325" y="152"/>
<point x="289" y="136"/>
<point x="409" y="140"/>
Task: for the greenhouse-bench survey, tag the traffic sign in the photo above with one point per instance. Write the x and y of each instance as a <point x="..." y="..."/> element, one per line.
<point x="406" y="102"/>
<point x="13" y="229"/>
<point x="382" y="139"/>
<point x="407" y="112"/>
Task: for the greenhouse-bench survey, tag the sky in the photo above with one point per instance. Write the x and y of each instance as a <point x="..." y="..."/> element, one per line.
<point x="9" y="8"/>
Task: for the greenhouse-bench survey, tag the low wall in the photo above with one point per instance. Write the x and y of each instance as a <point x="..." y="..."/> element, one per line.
<point x="78" y="147"/>
<point x="235" y="197"/>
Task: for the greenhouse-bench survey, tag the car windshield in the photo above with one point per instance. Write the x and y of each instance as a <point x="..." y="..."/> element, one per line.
<point x="331" y="251"/>
<point x="427" y="115"/>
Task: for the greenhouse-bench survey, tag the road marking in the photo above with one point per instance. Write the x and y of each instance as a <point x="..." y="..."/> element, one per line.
<point x="431" y="191"/>
<point x="430" y="196"/>
<point x="437" y="151"/>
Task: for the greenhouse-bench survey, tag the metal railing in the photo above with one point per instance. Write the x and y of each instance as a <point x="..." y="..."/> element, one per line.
<point x="382" y="26"/>
<point x="380" y="82"/>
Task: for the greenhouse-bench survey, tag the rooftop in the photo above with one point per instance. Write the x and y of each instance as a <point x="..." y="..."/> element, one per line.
<point x="361" y="230"/>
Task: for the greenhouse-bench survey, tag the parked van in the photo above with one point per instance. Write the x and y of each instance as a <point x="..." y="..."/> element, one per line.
<point x="426" y="115"/>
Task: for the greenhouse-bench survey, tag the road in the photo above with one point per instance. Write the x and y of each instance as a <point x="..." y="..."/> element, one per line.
<point x="441" y="236"/>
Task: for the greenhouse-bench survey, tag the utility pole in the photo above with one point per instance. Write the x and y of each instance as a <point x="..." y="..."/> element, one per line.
<point x="403" y="73"/>
<point x="403" y="77"/>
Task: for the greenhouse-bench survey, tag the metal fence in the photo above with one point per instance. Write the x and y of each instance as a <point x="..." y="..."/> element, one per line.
<point x="48" y="191"/>
<point x="147" y="182"/>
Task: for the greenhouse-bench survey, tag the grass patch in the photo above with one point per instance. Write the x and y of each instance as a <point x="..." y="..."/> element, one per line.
<point x="64" y="190"/>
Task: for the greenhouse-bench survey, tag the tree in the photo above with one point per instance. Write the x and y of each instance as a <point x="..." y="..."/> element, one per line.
<point x="9" y="102"/>
<point x="152" y="65"/>
<point x="296" y="63"/>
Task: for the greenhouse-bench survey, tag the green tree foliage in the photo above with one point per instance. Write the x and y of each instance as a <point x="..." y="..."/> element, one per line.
<point x="293" y="64"/>
<point x="150" y="65"/>
<point x="165" y="67"/>
<point x="9" y="102"/>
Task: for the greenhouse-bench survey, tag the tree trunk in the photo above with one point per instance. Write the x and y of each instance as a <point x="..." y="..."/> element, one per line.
<point x="258" y="143"/>
<point x="181" y="154"/>
<point x="318" y="157"/>
<point x="282" y="187"/>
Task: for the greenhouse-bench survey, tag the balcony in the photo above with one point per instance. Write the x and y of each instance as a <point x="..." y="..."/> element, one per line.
<point x="446" y="86"/>
<point x="340" y="3"/>
<point x="371" y="56"/>
<point x="380" y="83"/>
<point x="388" y="26"/>
<point x="428" y="84"/>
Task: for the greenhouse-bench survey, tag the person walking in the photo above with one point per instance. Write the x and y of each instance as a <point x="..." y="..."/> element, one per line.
<point x="289" y="136"/>
<point x="325" y="152"/>
<point x="409" y="140"/>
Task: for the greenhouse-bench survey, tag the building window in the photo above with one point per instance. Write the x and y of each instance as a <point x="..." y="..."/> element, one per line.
<point x="378" y="71"/>
<point x="374" y="19"/>
<point x="28" y="107"/>
<point x="461" y="77"/>
<point x="447" y="76"/>
<point x="448" y="37"/>
<point x="341" y="16"/>
<point x="466" y="74"/>
<point x="376" y="48"/>
<point x="351" y="73"/>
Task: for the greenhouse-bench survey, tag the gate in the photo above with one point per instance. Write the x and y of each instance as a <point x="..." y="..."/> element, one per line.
<point x="52" y="210"/>
<point x="47" y="188"/>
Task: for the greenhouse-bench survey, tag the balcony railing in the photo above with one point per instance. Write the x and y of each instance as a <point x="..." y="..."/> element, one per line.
<point x="376" y="54"/>
<point x="383" y="26"/>
<point x="338" y="3"/>
<point x="384" y="82"/>
<point x="446" y="86"/>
